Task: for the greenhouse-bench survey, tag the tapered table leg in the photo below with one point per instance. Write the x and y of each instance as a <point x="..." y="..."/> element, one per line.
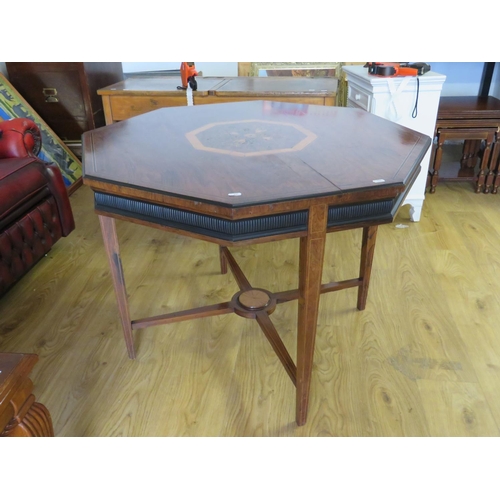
<point x="110" y="238"/>
<point x="223" y="261"/>
<point x="312" y="249"/>
<point x="367" y="251"/>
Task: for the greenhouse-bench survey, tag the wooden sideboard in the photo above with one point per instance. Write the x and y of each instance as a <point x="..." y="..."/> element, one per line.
<point x="137" y="95"/>
<point x="20" y="415"/>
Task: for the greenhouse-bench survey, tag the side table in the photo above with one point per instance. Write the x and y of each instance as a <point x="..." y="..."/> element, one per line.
<point x="20" y="415"/>
<point x="253" y="172"/>
<point x="475" y="120"/>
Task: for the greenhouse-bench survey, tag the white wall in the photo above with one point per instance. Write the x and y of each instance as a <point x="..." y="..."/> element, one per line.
<point x="462" y="78"/>
<point x="495" y="82"/>
<point x="208" y="68"/>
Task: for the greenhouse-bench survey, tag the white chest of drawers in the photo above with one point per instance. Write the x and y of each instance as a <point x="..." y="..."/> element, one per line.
<point x="396" y="99"/>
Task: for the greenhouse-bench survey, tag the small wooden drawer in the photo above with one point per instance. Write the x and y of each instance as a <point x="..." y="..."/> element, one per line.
<point x="123" y="107"/>
<point x="359" y="97"/>
<point x="319" y="101"/>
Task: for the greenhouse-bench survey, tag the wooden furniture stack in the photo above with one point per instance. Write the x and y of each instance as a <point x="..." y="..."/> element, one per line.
<point x="475" y="120"/>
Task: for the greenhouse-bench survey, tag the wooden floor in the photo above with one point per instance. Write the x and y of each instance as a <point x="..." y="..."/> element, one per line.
<point x="423" y="359"/>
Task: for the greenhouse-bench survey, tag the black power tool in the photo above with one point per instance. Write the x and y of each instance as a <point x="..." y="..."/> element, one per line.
<point x="388" y="69"/>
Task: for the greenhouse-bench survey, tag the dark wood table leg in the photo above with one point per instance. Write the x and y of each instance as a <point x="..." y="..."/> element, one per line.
<point x="312" y="249"/>
<point x="469" y="159"/>
<point x="474" y="153"/>
<point x="495" y="164"/>
<point x="367" y="252"/>
<point x="108" y="228"/>
<point x="470" y="153"/>
<point x="437" y="162"/>
<point x="464" y="163"/>
<point x="485" y="177"/>
<point x="223" y="260"/>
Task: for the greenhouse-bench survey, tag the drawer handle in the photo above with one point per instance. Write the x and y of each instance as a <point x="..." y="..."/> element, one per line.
<point x="357" y="97"/>
<point x="50" y="95"/>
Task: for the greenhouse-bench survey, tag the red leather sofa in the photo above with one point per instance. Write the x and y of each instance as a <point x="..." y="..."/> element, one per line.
<point x="34" y="205"/>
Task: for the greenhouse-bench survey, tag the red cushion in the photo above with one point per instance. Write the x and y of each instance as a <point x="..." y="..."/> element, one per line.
<point x="20" y="180"/>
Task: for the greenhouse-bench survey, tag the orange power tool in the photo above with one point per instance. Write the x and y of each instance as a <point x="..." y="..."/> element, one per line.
<point x="188" y="73"/>
<point x="389" y="69"/>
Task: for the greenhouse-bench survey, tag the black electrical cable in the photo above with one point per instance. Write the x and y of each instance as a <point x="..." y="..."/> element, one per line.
<point x="415" y="109"/>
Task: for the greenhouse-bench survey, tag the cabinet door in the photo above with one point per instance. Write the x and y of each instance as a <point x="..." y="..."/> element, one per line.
<point x="57" y="92"/>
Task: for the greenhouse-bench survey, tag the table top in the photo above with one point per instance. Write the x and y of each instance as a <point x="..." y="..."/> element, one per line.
<point x="251" y="153"/>
<point x="158" y="85"/>
<point x="167" y="85"/>
<point x="277" y="85"/>
<point x="453" y="107"/>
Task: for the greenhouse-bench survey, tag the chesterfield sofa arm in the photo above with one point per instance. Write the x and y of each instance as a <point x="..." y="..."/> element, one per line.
<point x="35" y="210"/>
<point x="19" y="138"/>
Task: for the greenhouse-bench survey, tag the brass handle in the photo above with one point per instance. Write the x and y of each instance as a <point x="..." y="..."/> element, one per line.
<point x="50" y="95"/>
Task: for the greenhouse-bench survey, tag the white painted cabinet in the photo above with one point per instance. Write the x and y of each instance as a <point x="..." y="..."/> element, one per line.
<point x="396" y="99"/>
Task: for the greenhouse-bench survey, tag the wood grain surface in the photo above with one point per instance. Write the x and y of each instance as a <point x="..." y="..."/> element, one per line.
<point x="420" y="360"/>
<point x="138" y="95"/>
<point x="249" y="153"/>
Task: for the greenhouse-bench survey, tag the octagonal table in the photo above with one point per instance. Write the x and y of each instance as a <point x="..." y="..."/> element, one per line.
<point x="253" y="172"/>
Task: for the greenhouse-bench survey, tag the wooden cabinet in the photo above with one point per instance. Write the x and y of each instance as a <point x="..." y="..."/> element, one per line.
<point x="410" y="101"/>
<point x="64" y="94"/>
<point x="139" y="95"/>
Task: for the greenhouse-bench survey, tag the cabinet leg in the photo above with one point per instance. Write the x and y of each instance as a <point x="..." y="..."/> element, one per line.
<point x="416" y="210"/>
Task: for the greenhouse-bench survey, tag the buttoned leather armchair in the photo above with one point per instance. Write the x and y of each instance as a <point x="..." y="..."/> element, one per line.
<point x="35" y="210"/>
